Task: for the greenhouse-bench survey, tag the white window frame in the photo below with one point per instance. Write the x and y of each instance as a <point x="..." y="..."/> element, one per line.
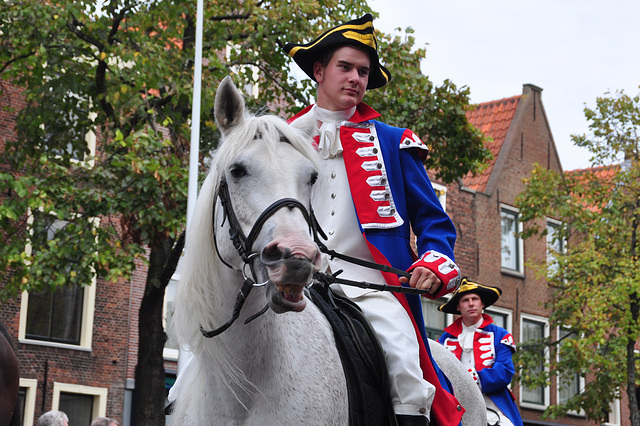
<point x="615" y="413"/>
<point x="519" y="271"/>
<point x="99" y="396"/>
<point x="552" y="223"/>
<point x="581" y="383"/>
<point x="90" y="138"/>
<point x="441" y="193"/>
<point x="31" y="386"/>
<point x="424" y="301"/>
<point x="502" y="311"/>
<point x="508" y="313"/>
<point x="169" y="354"/>
<point x="547" y="391"/>
<point x="448" y="318"/>
<point x="88" y="311"/>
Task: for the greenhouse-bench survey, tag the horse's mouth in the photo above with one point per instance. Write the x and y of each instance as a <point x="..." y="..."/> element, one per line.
<point x="293" y="293"/>
<point x="290" y="262"/>
<point x="286" y="297"/>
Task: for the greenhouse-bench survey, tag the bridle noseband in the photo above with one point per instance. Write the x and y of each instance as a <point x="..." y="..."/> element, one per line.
<point x="244" y="245"/>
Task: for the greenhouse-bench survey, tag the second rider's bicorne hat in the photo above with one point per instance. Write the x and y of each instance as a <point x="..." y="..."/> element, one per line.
<point x="358" y="32"/>
<point x="489" y="295"/>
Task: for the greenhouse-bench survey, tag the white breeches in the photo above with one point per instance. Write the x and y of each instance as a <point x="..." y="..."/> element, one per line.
<point x="494" y="414"/>
<point x="410" y="393"/>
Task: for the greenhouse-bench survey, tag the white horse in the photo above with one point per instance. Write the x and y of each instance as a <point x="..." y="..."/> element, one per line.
<point x="283" y="367"/>
<point x="464" y="387"/>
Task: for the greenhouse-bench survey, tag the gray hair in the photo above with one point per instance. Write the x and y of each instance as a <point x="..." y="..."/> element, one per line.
<point x="104" y="421"/>
<point x="53" y="418"/>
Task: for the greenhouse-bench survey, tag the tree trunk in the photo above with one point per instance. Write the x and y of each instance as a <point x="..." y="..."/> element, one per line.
<point x="150" y="393"/>
<point x="150" y="388"/>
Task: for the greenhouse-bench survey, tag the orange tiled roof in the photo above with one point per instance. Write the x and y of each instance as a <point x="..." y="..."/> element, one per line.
<point x="493" y="119"/>
<point x="603" y="173"/>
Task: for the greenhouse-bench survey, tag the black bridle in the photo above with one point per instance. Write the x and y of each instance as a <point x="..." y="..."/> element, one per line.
<point x="244" y="246"/>
<point x="242" y="243"/>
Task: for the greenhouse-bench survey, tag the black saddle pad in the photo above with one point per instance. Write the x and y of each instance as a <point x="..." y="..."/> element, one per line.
<point x="362" y="359"/>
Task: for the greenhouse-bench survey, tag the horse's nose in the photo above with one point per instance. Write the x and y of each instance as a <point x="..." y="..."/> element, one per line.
<point x="287" y="247"/>
<point x="271" y="255"/>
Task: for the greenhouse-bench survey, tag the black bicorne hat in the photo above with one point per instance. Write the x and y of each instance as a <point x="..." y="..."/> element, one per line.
<point x="489" y="295"/>
<point x="359" y="32"/>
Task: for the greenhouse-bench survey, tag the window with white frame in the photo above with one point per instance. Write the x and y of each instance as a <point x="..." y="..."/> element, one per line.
<point x="533" y="329"/>
<point x="63" y="316"/>
<point x="26" y="405"/>
<point x="441" y="193"/>
<point x="171" y="346"/>
<point x="613" y="417"/>
<point x="569" y="384"/>
<point x="511" y="244"/>
<point x="501" y="317"/>
<point x="82" y="404"/>
<point x="555" y="243"/>
<point x="434" y="320"/>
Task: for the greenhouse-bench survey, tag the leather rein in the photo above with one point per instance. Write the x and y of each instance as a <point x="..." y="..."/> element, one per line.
<point x="244" y="246"/>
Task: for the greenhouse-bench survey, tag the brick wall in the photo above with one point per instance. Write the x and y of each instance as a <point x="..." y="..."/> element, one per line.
<point x="476" y="216"/>
<point x="106" y="364"/>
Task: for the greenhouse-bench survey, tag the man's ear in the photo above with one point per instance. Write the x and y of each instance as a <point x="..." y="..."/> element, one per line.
<point x="318" y="71"/>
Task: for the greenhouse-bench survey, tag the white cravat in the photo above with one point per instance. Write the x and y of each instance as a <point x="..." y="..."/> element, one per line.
<point x="329" y="144"/>
<point x="466" y="343"/>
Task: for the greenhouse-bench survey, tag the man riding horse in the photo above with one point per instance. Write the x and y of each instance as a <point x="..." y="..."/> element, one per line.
<point x="375" y="191"/>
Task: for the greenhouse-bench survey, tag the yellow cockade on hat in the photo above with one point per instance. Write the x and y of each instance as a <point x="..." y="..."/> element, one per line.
<point x="366" y="39"/>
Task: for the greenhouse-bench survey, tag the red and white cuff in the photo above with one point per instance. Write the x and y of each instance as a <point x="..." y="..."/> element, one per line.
<point x="443" y="267"/>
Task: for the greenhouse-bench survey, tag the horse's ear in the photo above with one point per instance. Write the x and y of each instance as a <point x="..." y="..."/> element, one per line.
<point x="229" y="107"/>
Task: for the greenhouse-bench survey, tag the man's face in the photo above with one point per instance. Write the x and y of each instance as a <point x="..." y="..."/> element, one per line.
<point x="470" y="307"/>
<point x="343" y="82"/>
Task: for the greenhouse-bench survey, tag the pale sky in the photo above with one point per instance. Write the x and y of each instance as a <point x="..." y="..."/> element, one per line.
<point x="575" y="50"/>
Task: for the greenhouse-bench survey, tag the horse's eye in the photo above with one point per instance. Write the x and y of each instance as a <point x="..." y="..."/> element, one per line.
<point x="314" y="178"/>
<point x="238" y="171"/>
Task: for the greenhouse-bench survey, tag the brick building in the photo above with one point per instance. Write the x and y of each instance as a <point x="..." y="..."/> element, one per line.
<point x="77" y="348"/>
<point x="488" y="251"/>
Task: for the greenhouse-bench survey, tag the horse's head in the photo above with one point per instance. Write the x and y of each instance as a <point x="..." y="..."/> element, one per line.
<point x="268" y="170"/>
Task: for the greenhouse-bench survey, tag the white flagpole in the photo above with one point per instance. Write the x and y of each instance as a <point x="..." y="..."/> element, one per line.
<point x="195" y="118"/>
<point x="192" y="194"/>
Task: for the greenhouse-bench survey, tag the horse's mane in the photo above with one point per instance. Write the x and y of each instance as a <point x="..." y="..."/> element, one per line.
<point x="202" y="270"/>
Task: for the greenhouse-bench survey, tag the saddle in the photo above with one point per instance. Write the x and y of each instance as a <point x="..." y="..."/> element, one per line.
<point x="361" y="356"/>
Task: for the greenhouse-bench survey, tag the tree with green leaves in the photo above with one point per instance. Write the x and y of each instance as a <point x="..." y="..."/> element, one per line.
<point x="123" y="71"/>
<point x="594" y="273"/>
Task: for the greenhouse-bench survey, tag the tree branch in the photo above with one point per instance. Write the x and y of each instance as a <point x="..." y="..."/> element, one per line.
<point x="74" y="26"/>
<point x="17" y="58"/>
